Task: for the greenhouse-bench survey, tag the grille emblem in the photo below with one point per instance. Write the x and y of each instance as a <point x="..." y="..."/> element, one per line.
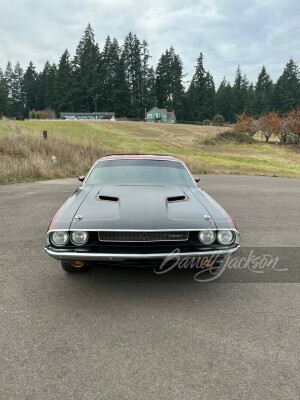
<point x="144" y="236"/>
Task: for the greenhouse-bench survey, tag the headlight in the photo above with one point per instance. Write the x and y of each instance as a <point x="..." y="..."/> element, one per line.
<point x="225" y="237"/>
<point x="79" y="237"/>
<point x="207" y="237"/>
<point x="59" y="238"/>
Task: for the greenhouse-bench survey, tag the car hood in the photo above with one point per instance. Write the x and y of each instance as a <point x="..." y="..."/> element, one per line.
<point x="142" y="208"/>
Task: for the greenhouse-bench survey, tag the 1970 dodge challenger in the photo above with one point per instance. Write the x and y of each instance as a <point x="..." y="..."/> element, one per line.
<point x="138" y="209"/>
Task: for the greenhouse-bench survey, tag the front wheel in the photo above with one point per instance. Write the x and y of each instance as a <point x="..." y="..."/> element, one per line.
<point x="71" y="269"/>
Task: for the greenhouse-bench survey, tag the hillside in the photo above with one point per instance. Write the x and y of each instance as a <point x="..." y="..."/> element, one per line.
<point x="25" y="155"/>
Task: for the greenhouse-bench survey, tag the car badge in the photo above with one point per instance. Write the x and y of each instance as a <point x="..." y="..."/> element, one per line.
<point x="144" y="236"/>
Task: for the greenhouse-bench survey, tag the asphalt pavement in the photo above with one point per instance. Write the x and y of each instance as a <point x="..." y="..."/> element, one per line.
<point x="117" y="334"/>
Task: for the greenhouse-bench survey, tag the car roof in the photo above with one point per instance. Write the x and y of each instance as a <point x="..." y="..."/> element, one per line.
<point x="139" y="157"/>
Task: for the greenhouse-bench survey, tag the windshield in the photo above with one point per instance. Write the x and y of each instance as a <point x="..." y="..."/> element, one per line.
<point x="139" y="172"/>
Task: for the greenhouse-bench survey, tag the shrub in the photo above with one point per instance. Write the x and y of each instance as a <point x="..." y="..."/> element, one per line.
<point x="231" y="137"/>
<point x="206" y="122"/>
<point x="218" y="119"/>
<point x="32" y="114"/>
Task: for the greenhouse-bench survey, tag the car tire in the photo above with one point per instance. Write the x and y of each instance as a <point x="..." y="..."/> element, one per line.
<point x="67" y="267"/>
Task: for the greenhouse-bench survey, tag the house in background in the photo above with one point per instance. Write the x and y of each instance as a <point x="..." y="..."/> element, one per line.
<point x="83" y="115"/>
<point x="160" y="115"/>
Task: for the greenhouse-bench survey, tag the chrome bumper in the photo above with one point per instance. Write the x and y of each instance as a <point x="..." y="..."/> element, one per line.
<point x="66" y="256"/>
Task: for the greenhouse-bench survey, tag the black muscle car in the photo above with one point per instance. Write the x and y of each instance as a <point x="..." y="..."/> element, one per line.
<point x="138" y="209"/>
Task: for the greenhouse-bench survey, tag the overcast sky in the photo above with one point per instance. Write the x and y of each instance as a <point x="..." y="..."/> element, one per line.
<point x="228" y="32"/>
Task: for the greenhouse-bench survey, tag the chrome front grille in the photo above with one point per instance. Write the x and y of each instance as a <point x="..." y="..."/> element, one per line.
<point x="130" y="236"/>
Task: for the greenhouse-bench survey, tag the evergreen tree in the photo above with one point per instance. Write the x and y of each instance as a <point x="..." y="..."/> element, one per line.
<point x="263" y="93"/>
<point x="131" y="57"/>
<point x="250" y="99"/>
<point x="63" y="85"/>
<point x="122" y="89"/>
<point x="106" y="78"/>
<point x="30" y="87"/>
<point x="169" y="88"/>
<point x="113" y="93"/>
<point x="49" y="75"/>
<point x="86" y="66"/>
<point x="224" y="104"/>
<point x="211" y="94"/>
<point x="287" y="89"/>
<point x="240" y="92"/>
<point x="17" y="92"/>
<point x="9" y="78"/>
<point x="3" y="95"/>
<point x="45" y="95"/>
<point x="151" y="100"/>
<point x="135" y="56"/>
<point x="148" y="79"/>
<point x="201" y="93"/>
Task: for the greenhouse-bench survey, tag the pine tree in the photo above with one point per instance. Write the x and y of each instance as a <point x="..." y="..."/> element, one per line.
<point x="49" y="75"/>
<point x="151" y="100"/>
<point x="169" y="88"/>
<point x="86" y="71"/>
<point x="135" y="56"/>
<point x="3" y="95"/>
<point x="45" y="95"/>
<point x="211" y="94"/>
<point x="63" y="85"/>
<point x="147" y="75"/>
<point x="131" y="58"/>
<point x="122" y="89"/>
<point x="201" y="93"/>
<point x="263" y="93"/>
<point x="287" y="89"/>
<point x="224" y="104"/>
<point x="240" y="92"/>
<point x="250" y="99"/>
<point x="18" y="96"/>
<point x="9" y="78"/>
<point x="30" y="83"/>
<point x="113" y="93"/>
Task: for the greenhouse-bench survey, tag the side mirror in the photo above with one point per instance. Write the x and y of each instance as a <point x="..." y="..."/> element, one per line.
<point x="81" y="178"/>
<point x="197" y="179"/>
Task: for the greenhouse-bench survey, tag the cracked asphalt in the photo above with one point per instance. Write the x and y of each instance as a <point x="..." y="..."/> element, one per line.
<point x="132" y="334"/>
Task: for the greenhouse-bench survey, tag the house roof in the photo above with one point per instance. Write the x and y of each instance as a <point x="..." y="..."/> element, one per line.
<point x="163" y="110"/>
<point x="171" y="115"/>
<point x="86" y="114"/>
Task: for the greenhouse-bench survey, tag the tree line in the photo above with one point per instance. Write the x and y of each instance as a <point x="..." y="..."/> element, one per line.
<point x="119" y="78"/>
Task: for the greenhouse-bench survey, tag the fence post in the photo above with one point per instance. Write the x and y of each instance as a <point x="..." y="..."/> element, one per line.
<point x="45" y="134"/>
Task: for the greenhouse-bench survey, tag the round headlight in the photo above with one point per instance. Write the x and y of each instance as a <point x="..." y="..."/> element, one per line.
<point x="59" y="238"/>
<point x="225" y="237"/>
<point x="79" y="237"/>
<point x="207" y="237"/>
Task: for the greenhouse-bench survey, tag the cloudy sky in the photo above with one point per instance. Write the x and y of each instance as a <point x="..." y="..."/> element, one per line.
<point x="228" y="32"/>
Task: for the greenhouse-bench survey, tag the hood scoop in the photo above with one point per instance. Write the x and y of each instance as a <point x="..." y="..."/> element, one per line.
<point x="109" y="198"/>
<point x="173" y="199"/>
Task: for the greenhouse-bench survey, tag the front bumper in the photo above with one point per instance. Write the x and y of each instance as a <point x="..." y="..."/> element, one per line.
<point x="98" y="257"/>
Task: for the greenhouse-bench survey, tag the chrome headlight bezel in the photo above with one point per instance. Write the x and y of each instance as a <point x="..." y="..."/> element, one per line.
<point x="226" y="242"/>
<point x="80" y="243"/>
<point x="63" y="233"/>
<point x="213" y="236"/>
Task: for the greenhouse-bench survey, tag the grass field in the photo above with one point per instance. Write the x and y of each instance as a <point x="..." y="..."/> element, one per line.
<point x="76" y="144"/>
